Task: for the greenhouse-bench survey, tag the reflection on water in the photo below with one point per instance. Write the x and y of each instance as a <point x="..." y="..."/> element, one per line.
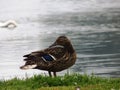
<point x="99" y="53"/>
<point x="94" y="34"/>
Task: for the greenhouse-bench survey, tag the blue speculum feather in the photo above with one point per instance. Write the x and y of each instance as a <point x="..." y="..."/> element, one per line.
<point x="47" y="57"/>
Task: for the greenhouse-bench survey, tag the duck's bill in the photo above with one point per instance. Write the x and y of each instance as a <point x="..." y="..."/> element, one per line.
<point x="28" y="67"/>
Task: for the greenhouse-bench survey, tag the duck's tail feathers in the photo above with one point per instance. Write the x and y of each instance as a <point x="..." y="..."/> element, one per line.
<point x="27" y="55"/>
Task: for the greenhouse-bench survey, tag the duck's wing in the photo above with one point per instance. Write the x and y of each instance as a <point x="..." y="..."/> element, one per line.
<point x="48" y="55"/>
<point x="54" y="53"/>
<point x="33" y="55"/>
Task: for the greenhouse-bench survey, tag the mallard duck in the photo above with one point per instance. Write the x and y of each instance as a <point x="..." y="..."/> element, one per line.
<point x="57" y="57"/>
<point x="9" y="24"/>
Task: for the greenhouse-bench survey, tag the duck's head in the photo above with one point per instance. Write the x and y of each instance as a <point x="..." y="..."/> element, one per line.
<point x="65" y="42"/>
<point x="62" y="40"/>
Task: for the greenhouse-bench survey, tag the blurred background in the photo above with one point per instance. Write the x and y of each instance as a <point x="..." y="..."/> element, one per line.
<point x="92" y="25"/>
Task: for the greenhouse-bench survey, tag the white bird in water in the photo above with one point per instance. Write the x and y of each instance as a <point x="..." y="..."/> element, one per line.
<point x="8" y="24"/>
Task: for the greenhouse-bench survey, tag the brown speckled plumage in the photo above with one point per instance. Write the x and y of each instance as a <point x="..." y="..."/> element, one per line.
<point x="63" y="52"/>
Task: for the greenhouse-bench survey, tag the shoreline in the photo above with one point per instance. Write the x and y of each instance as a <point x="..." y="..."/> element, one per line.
<point x="66" y="82"/>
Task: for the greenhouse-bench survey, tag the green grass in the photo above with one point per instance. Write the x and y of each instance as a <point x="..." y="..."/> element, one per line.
<point x="66" y="82"/>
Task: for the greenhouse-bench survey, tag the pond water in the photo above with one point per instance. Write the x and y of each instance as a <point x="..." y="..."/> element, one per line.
<point x="92" y="25"/>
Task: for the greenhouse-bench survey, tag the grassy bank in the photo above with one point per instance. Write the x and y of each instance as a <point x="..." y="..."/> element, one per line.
<point x="67" y="82"/>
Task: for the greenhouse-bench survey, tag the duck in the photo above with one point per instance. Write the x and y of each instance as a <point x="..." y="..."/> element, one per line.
<point x="8" y="24"/>
<point x="57" y="57"/>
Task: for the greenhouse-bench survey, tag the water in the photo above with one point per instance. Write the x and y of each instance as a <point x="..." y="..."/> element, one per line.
<point x="92" y="25"/>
